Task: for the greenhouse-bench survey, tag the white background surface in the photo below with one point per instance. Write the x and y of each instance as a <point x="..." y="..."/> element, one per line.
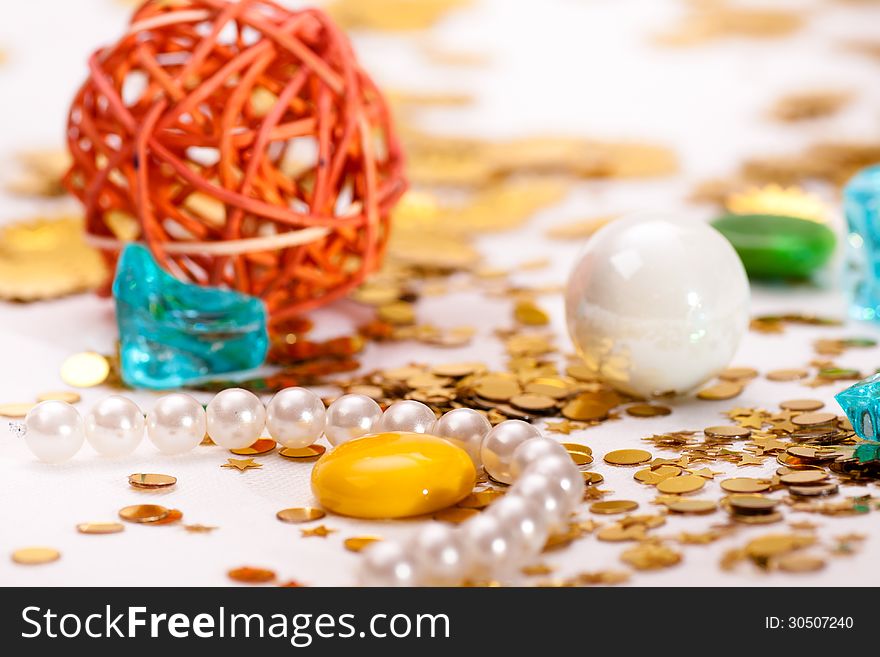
<point x="558" y="66"/>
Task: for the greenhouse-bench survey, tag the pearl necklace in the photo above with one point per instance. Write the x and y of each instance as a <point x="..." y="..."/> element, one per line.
<point x="546" y="484"/>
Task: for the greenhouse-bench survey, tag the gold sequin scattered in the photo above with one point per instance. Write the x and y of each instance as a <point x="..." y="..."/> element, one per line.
<point x="303" y="453"/>
<point x="720" y="391"/>
<point x="15" y="410"/>
<point x="151" y="481"/>
<point x="745" y="485"/>
<point x="651" y="556"/>
<point x="648" y="410"/>
<point x="262" y="446"/>
<point x="613" y="506"/>
<point x="85" y="370"/>
<point x="358" y="543"/>
<point x="802" y="477"/>
<point x="800" y="563"/>
<point x="738" y="374"/>
<point x="806" y="105"/>
<point x="681" y="485"/>
<point x="248" y="575"/>
<point x="199" y="529"/>
<point x="455" y="514"/>
<point x="100" y="527"/>
<point x="143" y="513"/>
<point x="693" y="506"/>
<point x="733" y="432"/>
<point x="787" y="375"/>
<point x="804" y="405"/>
<point x="813" y="419"/>
<point x="35" y="556"/>
<point x="627" y="457"/>
<point x="67" y="396"/>
<point x="321" y="531"/>
<point x="241" y="464"/>
<point x="300" y="514"/>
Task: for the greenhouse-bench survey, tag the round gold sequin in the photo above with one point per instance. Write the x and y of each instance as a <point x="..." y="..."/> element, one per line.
<point x="592" y="478"/>
<point x="141" y="480"/>
<point x="580" y="458"/>
<point x="549" y="387"/>
<point x="648" y="410"/>
<point x="67" y="396"/>
<point x="35" y="556"/>
<point x="787" y="375"/>
<point x="802" y="477"/>
<point x="757" y="519"/>
<point x="813" y="419"/>
<point x="100" y="527"/>
<point x="720" y="391"/>
<point x="800" y="563"/>
<point x="681" y="485"/>
<point x="142" y="513"/>
<point x="533" y="402"/>
<point x="85" y="370"/>
<point x="585" y="409"/>
<point x="303" y="453"/>
<point x="728" y="431"/>
<point x="804" y="405"/>
<point x="693" y="506"/>
<point x="358" y="543"/>
<point x="627" y="457"/>
<point x="738" y="374"/>
<point x="613" y="506"/>
<point x="15" y="410"/>
<point x="455" y="514"/>
<point x="300" y="514"/>
<point x="745" y="485"/>
<point x="752" y="503"/>
<point x="654" y="475"/>
<point x="497" y="389"/>
<point x="173" y="516"/>
<point x="577" y="447"/>
<point x="248" y="575"/>
<point x="262" y="446"/>
<point x="457" y="370"/>
<point x="813" y="453"/>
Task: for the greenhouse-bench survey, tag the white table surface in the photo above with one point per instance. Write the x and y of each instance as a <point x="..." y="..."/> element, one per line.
<point x="599" y="76"/>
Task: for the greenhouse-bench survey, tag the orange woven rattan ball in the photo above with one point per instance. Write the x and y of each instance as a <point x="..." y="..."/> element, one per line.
<point x="243" y="143"/>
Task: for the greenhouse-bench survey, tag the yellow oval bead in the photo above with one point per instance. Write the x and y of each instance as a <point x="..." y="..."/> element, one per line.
<point x="393" y="475"/>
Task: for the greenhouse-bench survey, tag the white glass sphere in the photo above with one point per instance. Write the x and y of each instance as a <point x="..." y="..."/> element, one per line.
<point x="657" y="304"/>
<point x="176" y="424"/>
<point x="115" y="426"/>
<point x="350" y="417"/>
<point x="236" y="418"/>
<point x="54" y="431"/>
<point x="440" y="553"/>
<point x="466" y="428"/>
<point x="543" y="491"/>
<point x="492" y="545"/>
<point x="295" y="417"/>
<point x="407" y="415"/>
<point x="388" y="563"/>
<point x="562" y="471"/>
<point x="526" y="520"/>
<point x="499" y="444"/>
<point x="533" y="450"/>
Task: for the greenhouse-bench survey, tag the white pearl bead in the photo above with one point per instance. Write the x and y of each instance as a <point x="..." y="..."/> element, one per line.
<point x="440" y="555"/>
<point x="236" y="418"/>
<point x="115" y="426"/>
<point x="388" y="563"/>
<point x="407" y="415"/>
<point x="657" y="304"/>
<point x="499" y="444"/>
<point x="176" y="424"/>
<point x="350" y="417"/>
<point x="54" y="431"/>
<point x="525" y="518"/>
<point x="466" y="428"/>
<point x="295" y="417"/>
<point x="543" y="491"/>
<point x="533" y="450"/>
<point x="565" y="474"/>
<point x="491" y="545"/>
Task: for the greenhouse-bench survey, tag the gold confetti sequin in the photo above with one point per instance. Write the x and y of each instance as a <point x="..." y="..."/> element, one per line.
<point x="143" y="513"/>
<point x="151" y="481"/>
<point x="100" y="527"/>
<point x="85" y="370"/>
<point x="358" y="543"/>
<point x="35" y="556"/>
<point x="301" y="514"/>
<point x="262" y="446"/>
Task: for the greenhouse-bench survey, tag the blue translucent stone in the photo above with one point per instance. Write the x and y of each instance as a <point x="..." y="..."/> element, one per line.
<point x="861" y="403"/>
<point x="861" y="199"/>
<point x="173" y="333"/>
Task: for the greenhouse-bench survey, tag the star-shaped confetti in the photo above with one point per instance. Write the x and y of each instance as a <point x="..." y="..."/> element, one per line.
<point x="704" y="472"/>
<point x="241" y="464"/>
<point x="564" y="426"/>
<point x="321" y="530"/>
<point x="753" y="421"/>
<point x="745" y="459"/>
<point x="769" y="444"/>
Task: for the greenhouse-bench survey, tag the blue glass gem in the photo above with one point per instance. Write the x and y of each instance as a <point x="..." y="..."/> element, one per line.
<point x="861" y="200"/>
<point x="861" y="403"/>
<point x="173" y="333"/>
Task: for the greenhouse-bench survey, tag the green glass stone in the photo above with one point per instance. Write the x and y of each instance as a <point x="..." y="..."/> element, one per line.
<point x="173" y="333"/>
<point x="775" y="246"/>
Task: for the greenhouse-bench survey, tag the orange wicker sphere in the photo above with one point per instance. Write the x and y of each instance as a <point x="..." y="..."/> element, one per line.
<point x="243" y="143"/>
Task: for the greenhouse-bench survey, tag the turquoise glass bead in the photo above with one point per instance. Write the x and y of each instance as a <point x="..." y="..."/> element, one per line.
<point x="861" y="202"/>
<point x="173" y="333"/>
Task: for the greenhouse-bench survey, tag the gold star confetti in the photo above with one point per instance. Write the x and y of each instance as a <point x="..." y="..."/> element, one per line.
<point x="241" y="464"/>
<point x="320" y="530"/>
<point x="745" y="459"/>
